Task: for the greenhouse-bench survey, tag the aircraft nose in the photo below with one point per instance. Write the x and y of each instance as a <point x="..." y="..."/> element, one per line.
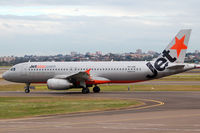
<point x="4" y="76"/>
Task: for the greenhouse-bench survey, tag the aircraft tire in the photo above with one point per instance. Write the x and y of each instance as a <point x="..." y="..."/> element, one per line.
<point x="85" y="90"/>
<point x="96" y="89"/>
<point x="88" y="90"/>
<point x="27" y="91"/>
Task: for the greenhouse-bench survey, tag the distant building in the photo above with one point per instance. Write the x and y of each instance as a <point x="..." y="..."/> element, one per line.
<point x="73" y="53"/>
<point x="88" y="53"/>
<point x="7" y="59"/>
<point x="196" y="51"/>
<point x="151" y="52"/>
<point x="138" y="51"/>
<point x="98" y="53"/>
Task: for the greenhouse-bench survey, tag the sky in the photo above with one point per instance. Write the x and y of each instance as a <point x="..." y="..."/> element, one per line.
<point x="50" y="27"/>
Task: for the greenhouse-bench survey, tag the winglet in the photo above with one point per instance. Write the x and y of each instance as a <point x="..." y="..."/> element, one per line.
<point x="88" y="71"/>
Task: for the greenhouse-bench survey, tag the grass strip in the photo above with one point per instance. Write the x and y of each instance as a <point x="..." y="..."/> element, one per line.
<point x="18" y="107"/>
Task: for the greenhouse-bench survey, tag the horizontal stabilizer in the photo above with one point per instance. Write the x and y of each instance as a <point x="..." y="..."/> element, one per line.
<point x="197" y="66"/>
<point x="178" y="66"/>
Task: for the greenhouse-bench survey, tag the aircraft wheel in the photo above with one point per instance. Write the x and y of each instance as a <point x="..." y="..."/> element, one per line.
<point x="88" y="90"/>
<point x="96" y="89"/>
<point x="27" y="91"/>
<point x="27" y="88"/>
<point x="85" y="90"/>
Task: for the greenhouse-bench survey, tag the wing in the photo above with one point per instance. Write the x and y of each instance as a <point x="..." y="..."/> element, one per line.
<point x="76" y="76"/>
<point x="83" y="77"/>
<point x="80" y="76"/>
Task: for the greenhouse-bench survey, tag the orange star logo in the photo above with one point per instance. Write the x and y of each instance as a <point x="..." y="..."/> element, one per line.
<point x="179" y="45"/>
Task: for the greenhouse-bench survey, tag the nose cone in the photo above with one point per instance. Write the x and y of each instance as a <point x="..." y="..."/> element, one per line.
<point x="5" y="75"/>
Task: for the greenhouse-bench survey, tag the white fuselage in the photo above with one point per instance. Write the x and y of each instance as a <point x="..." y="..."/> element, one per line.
<point x="113" y="72"/>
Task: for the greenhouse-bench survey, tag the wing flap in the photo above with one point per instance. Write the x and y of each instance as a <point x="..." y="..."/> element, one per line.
<point x="80" y="76"/>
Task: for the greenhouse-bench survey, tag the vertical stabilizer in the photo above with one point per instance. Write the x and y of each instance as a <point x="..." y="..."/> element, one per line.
<point x="178" y="46"/>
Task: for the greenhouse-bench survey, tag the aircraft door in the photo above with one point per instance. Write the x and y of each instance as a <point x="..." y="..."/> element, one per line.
<point x="23" y="72"/>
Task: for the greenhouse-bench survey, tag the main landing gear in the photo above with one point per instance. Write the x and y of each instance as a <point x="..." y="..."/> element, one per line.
<point x="86" y="90"/>
<point x="96" y="89"/>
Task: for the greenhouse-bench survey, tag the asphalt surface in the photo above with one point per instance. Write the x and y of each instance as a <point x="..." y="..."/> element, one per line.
<point x="166" y="112"/>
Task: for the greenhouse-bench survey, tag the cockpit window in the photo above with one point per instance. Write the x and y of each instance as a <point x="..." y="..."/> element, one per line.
<point x="12" y="69"/>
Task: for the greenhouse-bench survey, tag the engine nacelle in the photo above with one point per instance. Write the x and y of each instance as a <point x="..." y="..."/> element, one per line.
<point x="58" y="84"/>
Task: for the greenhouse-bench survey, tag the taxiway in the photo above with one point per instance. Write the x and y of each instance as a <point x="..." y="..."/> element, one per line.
<point x="164" y="112"/>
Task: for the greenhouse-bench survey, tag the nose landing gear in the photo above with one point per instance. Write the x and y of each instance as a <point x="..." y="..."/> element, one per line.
<point x="27" y="88"/>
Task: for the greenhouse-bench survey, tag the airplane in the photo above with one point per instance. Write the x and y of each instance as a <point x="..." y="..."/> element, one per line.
<point x="67" y="75"/>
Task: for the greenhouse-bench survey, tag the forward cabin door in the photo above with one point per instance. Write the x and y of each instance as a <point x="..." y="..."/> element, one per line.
<point x="24" y="70"/>
<point x="24" y="73"/>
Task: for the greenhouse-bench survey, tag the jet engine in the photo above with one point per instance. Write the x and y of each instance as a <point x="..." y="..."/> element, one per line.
<point x="58" y="84"/>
